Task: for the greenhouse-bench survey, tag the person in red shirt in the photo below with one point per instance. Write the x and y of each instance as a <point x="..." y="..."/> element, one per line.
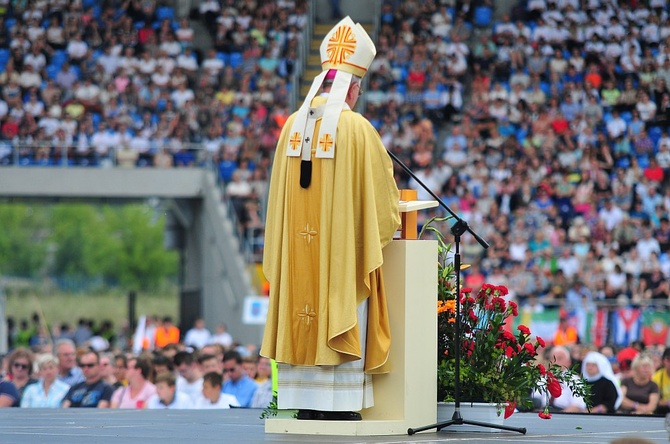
<point x="654" y="172"/>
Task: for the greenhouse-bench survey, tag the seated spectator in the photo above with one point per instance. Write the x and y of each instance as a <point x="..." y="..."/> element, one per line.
<point x="167" y="396"/>
<point x="662" y="379"/>
<point x="212" y="397"/>
<point x="606" y="395"/>
<point x="93" y="392"/>
<point x="20" y="369"/>
<point x="139" y="389"/>
<point x="9" y="395"/>
<point x="238" y="383"/>
<point x="189" y="380"/>
<point x="568" y="402"/>
<point x="640" y="393"/>
<point x="68" y="372"/>
<point x="48" y="392"/>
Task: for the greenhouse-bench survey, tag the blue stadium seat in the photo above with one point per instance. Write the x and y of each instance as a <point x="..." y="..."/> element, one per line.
<point x="623" y="162"/>
<point x="164" y="12"/>
<point x="58" y="58"/>
<point x="655" y="134"/>
<point x="627" y="116"/>
<point x="76" y="70"/>
<point x="4" y="56"/>
<point x="483" y="16"/>
<point x="89" y="3"/>
<point x="10" y="23"/>
<point x="184" y="158"/>
<point x="224" y="57"/>
<point x="235" y="59"/>
<point x="643" y="161"/>
<point x="52" y="71"/>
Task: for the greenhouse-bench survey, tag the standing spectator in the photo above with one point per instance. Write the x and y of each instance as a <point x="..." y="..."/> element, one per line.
<point x="222" y="336"/>
<point x="167" y="396"/>
<point x="83" y="332"/>
<point x="139" y="389"/>
<point x="48" y="392"/>
<point x="212" y="397"/>
<point x="68" y="372"/>
<point x="238" y="383"/>
<point x="166" y="333"/>
<point x="198" y="336"/>
<point x="566" y="334"/>
<point x="93" y="392"/>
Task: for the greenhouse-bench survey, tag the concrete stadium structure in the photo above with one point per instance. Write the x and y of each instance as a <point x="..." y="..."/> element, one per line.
<point x="214" y="276"/>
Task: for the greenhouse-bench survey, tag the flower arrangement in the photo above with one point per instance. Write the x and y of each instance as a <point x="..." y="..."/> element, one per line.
<point x="497" y="365"/>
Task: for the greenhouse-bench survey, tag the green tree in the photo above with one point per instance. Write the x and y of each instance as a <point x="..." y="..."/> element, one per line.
<point x="22" y="239"/>
<point x="143" y="262"/>
<point x="82" y="241"/>
<point x="123" y="244"/>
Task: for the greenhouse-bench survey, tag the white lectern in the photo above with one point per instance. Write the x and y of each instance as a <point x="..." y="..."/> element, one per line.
<point x="405" y="397"/>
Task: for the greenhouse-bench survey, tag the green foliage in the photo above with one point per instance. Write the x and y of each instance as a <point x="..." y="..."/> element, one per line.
<point x="22" y="244"/>
<point x="496" y="365"/>
<point x="121" y="244"/>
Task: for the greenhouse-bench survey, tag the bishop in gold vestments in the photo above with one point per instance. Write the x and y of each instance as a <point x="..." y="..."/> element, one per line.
<point x="327" y="324"/>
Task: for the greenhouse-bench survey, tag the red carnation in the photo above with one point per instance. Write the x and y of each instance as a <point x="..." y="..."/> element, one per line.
<point x="466" y="290"/>
<point x="540" y="341"/>
<point x="510" y="352"/>
<point x="543" y="371"/>
<point x="515" y="308"/>
<point x="530" y="348"/>
<point x="554" y="388"/>
<point x="523" y="329"/>
<point x="544" y="415"/>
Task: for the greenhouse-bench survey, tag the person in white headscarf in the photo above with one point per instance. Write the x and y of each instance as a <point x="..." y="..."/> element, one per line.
<point x="606" y="396"/>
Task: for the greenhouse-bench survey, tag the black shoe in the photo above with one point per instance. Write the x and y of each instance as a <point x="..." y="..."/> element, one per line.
<point x="306" y="414"/>
<point x="338" y="416"/>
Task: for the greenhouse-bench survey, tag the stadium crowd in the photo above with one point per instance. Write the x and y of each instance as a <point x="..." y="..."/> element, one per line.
<point x="547" y="130"/>
<point x="163" y="368"/>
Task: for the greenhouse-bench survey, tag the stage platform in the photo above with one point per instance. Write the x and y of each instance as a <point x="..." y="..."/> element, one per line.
<point x="244" y="426"/>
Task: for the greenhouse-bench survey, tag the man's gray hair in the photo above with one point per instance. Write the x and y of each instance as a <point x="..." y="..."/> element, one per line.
<point x="62" y="341"/>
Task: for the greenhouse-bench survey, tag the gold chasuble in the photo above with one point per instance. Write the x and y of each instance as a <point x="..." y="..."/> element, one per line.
<point x="323" y="249"/>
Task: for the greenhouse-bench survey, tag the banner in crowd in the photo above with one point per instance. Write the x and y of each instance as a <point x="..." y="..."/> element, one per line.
<point x="618" y="326"/>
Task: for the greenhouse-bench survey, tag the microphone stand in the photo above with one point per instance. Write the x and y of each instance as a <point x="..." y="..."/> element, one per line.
<point x="458" y="229"/>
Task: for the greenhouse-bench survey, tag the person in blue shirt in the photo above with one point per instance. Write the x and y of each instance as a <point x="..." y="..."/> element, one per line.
<point x="238" y="383"/>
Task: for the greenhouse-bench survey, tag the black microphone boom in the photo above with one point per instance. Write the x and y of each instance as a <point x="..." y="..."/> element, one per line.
<point x="480" y="240"/>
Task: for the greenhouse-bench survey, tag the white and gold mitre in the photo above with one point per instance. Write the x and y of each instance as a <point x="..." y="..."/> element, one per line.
<point x="347" y="50"/>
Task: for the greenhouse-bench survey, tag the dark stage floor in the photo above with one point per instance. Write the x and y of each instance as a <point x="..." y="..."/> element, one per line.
<point x="244" y="426"/>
